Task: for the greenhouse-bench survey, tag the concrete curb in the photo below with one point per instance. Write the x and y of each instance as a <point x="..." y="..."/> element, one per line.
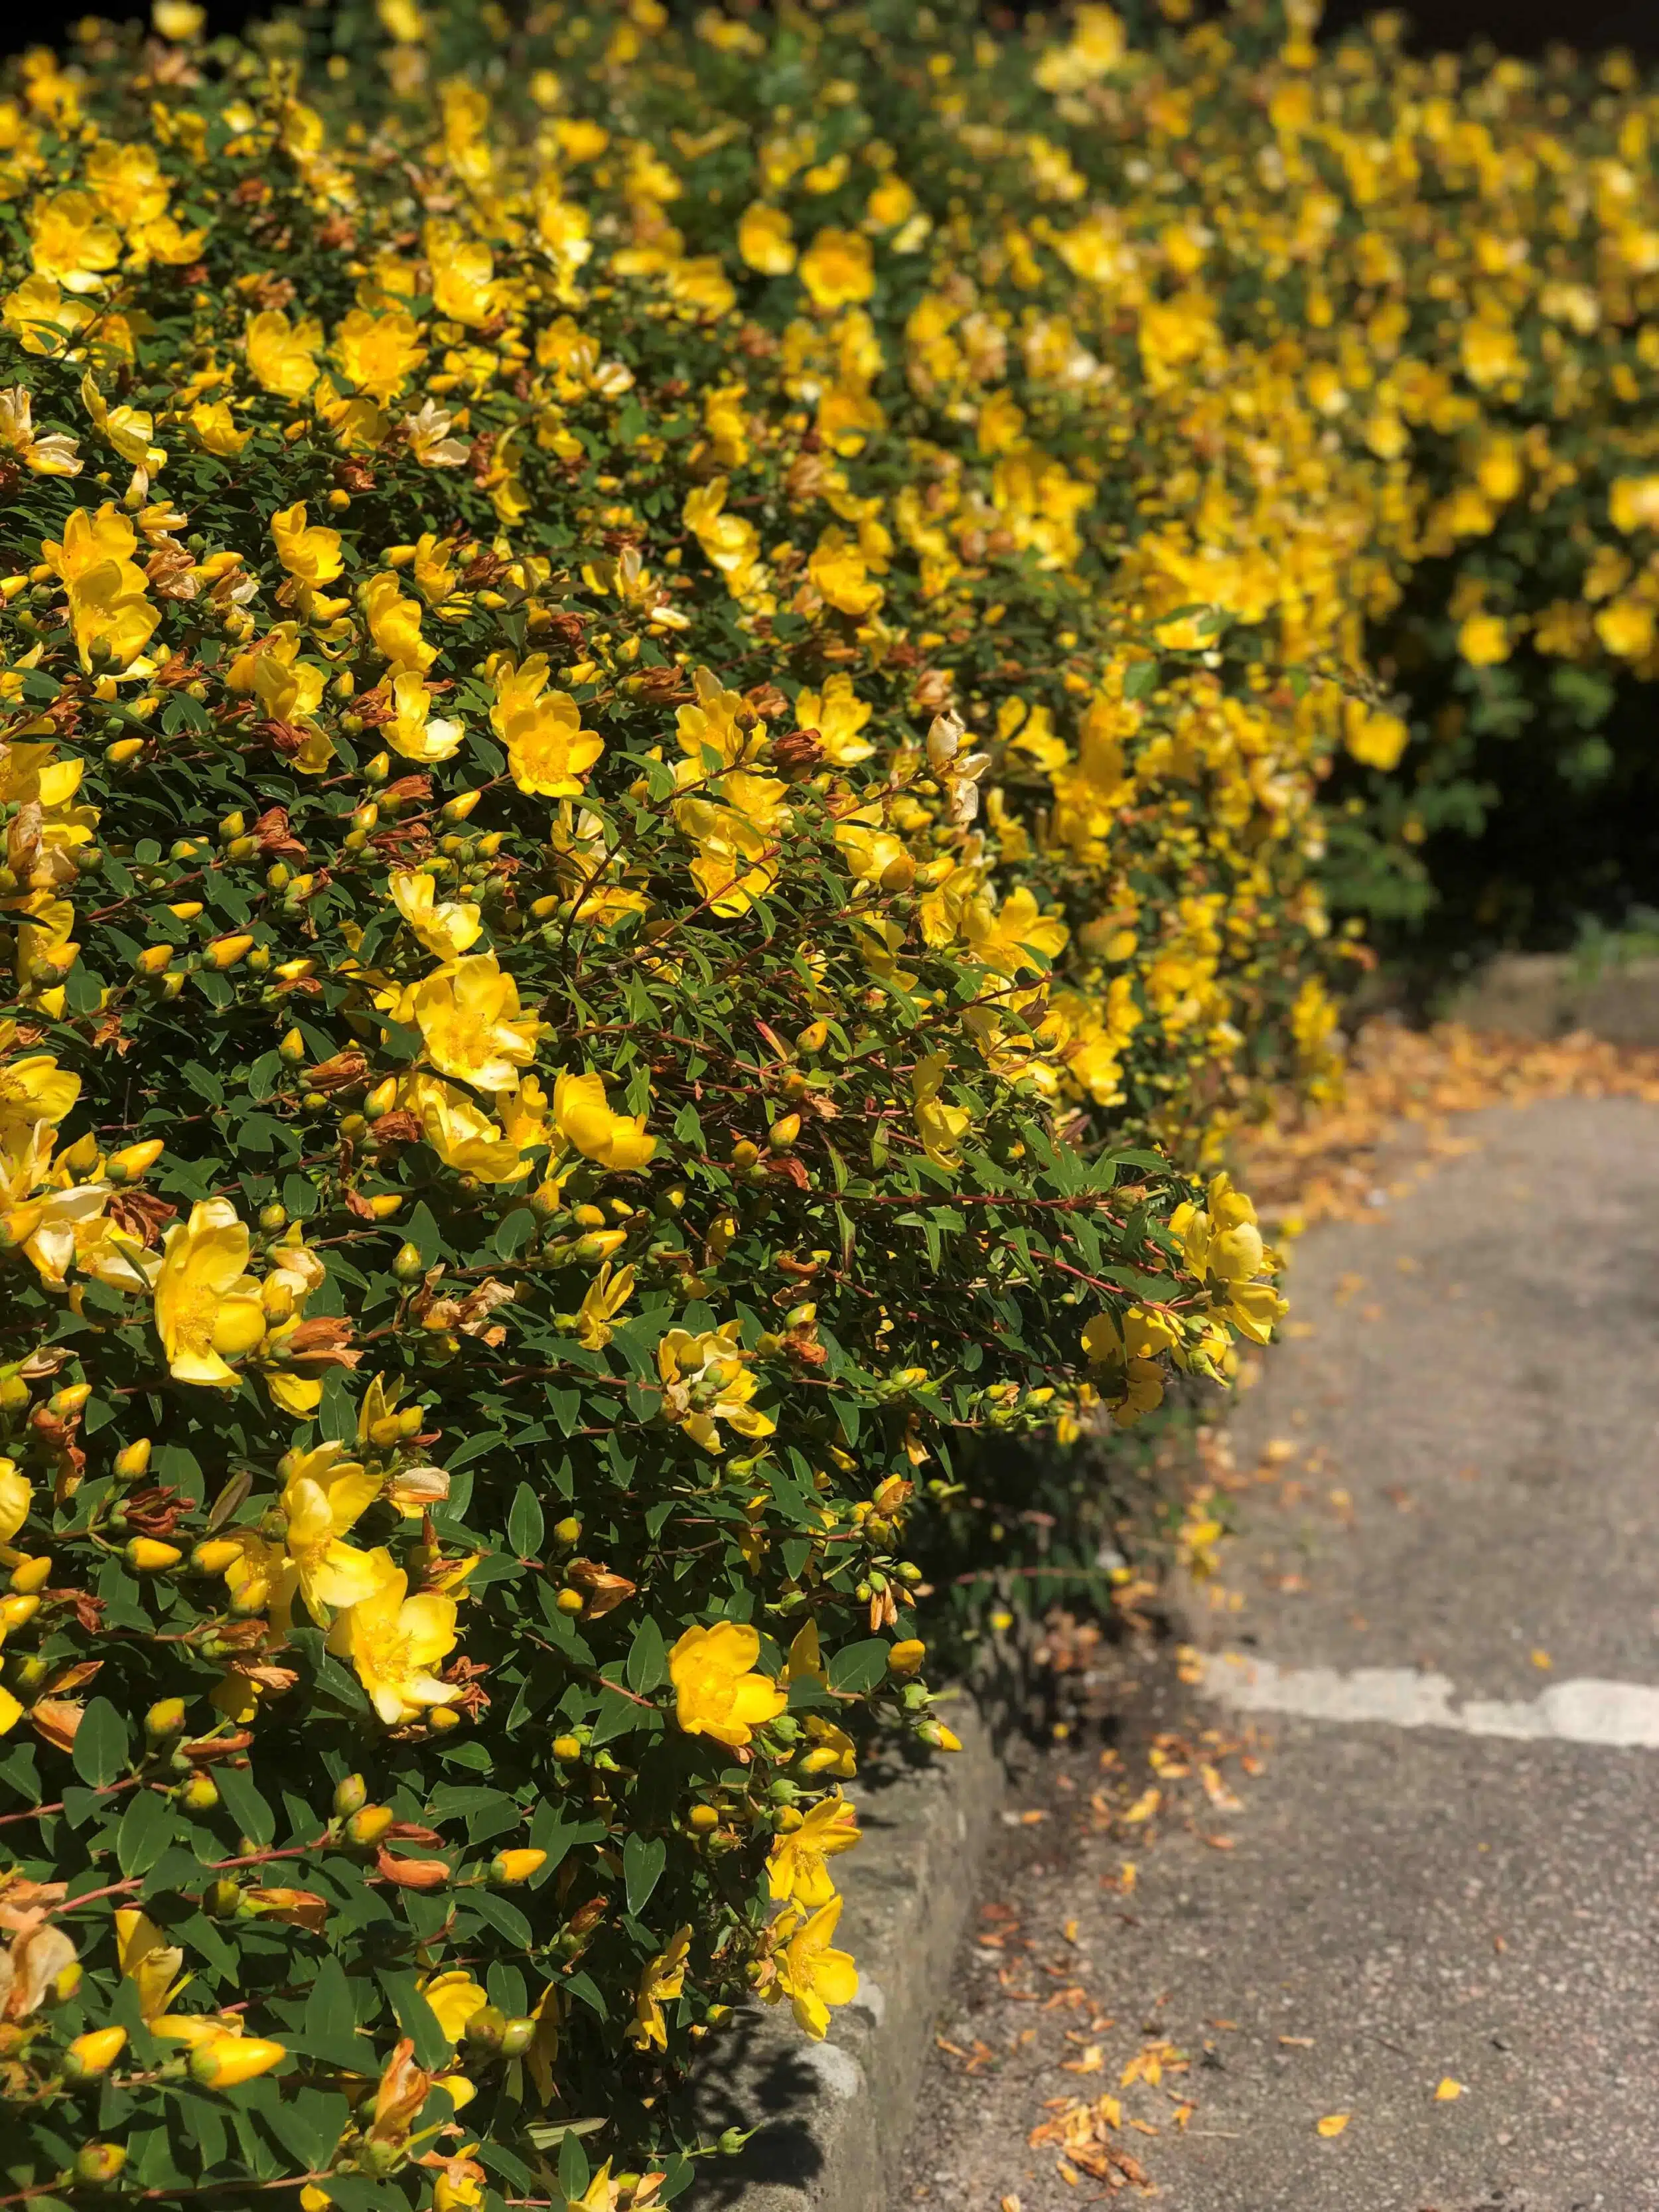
<point x="833" y="2116"/>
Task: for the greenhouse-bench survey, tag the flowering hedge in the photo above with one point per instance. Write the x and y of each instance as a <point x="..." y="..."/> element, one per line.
<point x="602" y="975"/>
<point x="664" y="704"/>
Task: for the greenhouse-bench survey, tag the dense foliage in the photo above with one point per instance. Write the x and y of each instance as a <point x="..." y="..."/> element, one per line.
<point x="541" y="1107"/>
<point x="664" y="699"/>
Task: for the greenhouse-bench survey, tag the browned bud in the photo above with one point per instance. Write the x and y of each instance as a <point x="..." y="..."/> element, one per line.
<point x="798" y="752"/>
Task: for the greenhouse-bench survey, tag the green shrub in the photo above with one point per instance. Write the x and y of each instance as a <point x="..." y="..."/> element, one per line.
<point x="540" y="1108"/>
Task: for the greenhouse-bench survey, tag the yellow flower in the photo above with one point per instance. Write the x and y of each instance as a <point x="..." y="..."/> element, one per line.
<point x="43" y="319"/>
<point x="716" y="1692"/>
<point x="548" y="750"/>
<point x="1625" y="626"/>
<point x="838" y="269"/>
<point x="394" y="623"/>
<point x="281" y="354"/>
<point x="325" y="1495"/>
<point x="206" y="1305"/>
<point x="52" y="454"/>
<point x="446" y="929"/>
<point x="606" y="1298"/>
<point x="214" y="428"/>
<point x="810" y="1974"/>
<point x="306" y="549"/>
<point x="796" y="1868"/>
<point x="463" y="1136"/>
<point x="378" y="352"/>
<point x="1016" y="938"/>
<point x="1484" y="640"/>
<point x="454" y="1996"/>
<point x="128" y="181"/>
<point x="468" y="1014"/>
<point x="146" y="1960"/>
<point x="891" y="203"/>
<point x="587" y="1124"/>
<point x="838" y="571"/>
<point x="414" y="731"/>
<point x="35" y="1089"/>
<point x="765" y="241"/>
<point x="463" y="275"/>
<point x="663" y="1978"/>
<point x="1376" y="738"/>
<point x="838" y="714"/>
<point x="1633" y="503"/>
<point x="181" y="20"/>
<point x="72" y="241"/>
<point x="941" y="1127"/>
<point x="833" y="1751"/>
<point x="392" y="1641"/>
<point x="16" y="1495"/>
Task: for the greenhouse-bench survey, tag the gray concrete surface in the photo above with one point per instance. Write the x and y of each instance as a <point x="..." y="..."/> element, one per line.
<point x="1388" y="1908"/>
<point x="1544" y="994"/>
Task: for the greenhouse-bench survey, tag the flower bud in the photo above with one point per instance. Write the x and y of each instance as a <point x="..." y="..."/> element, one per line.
<point x="225" y="2060"/>
<point x="509" y="1868"/>
<point x="368" y="1825"/>
<point x="134" y="1160"/>
<point x="274" y="1216"/>
<point x="517" y="2036"/>
<point x="784" y="1133"/>
<point x="200" y="1794"/>
<point x="214" y="1555"/>
<point x="94" y="2053"/>
<point x="566" y="1748"/>
<point x="97" y="2164"/>
<point x="485" y="2027"/>
<point x="941" y="1738"/>
<point x="350" y="1796"/>
<point x="381" y="1099"/>
<point x="148" y="1555"/>
<point x="409" y="1263"/>
<point x="153" y="959"/>
<point x="165" y="1718"/>
<point x="30" y="1575"/>
<point x="16" y="1612"/>
<point x="292" y="1047"/>
<point x="570" y="1601"/>
<point x="744" y="1154"/>
<point x="458" y="809"/>
<point x="225" y="951"/>
<point x="905" y="1657"/>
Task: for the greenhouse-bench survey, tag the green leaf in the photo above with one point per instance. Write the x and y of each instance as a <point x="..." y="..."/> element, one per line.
<point x="251" y="1815"/>
<point x="572" y="2166"/>
<point x="524" y="1523"/>
<point x="415" y="2016"/>
<point x="148" y="1826"/>
<point x="859" y="1667"/>
<point x="330" y="2018"/>
<point x="514" y="1232"/>
<point x="101" y="1744"/>
<point x="643" y="1860"/>
<point x="648" y="1658"/>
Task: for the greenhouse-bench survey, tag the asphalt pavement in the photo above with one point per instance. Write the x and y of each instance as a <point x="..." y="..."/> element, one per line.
<point x="1387" y="1940"/>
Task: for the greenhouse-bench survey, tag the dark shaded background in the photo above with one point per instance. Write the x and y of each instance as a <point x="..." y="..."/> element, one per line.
<point x="1518" y="26"/>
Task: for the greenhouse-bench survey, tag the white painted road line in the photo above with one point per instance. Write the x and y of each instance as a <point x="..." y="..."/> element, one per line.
<point x="1624" y="1716"/>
